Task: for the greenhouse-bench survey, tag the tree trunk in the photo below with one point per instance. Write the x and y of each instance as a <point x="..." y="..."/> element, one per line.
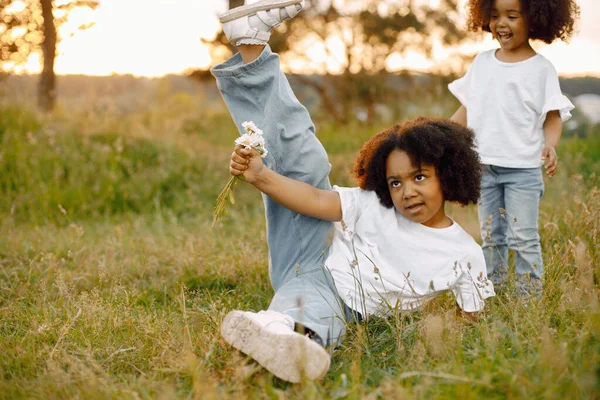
<point x="47" y="85"/>
<point x="235" y="3"/>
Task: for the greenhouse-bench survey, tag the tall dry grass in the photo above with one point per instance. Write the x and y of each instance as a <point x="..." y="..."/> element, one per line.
<point x="113" y="285"/>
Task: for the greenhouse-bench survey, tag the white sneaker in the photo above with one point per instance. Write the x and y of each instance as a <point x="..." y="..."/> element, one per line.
<point x="252" y="23"/>
<point x="269" y="338"/>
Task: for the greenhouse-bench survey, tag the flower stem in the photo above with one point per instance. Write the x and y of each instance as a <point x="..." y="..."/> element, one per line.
<point x="225" y="195"/>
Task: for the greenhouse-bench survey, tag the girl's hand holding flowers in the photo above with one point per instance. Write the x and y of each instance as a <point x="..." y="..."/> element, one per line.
<point x="243" y="165"/>
<point x="245" y="162"/>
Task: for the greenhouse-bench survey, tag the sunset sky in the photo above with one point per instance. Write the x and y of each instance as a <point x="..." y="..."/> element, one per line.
<point x="157" y="37"/>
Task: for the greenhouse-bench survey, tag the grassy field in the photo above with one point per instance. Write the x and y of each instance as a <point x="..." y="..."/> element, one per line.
<point x="113" y="284"/>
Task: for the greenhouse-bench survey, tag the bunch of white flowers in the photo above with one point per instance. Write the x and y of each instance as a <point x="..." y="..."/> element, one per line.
<point x="252" y="139"/>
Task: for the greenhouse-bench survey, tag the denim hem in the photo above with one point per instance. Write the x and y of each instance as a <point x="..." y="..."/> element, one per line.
<point x="235" y="66"/>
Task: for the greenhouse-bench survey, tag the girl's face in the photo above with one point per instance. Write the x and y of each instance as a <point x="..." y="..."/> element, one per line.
<point x="416" y="192"/>
<point x="508" y="24"/>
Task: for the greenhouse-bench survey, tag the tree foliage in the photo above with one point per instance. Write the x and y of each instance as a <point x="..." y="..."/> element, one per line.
<point x="22" y="27"/>
<point x="352" y="43"/>
<point x="28" y="26"/>
<point x="20" y="32"/>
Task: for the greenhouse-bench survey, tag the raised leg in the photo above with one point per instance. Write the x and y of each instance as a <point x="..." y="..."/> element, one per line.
<point x="258" y="91"/>
<point x="255" y="89"/>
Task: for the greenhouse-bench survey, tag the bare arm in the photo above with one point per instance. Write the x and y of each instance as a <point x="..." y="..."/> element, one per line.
<point x="552" y="134"/>
<point x="460" y="116"/>
<point x="294" y="195"/>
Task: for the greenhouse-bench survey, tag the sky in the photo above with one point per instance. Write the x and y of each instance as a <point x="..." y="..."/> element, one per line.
<point x="157" y="37"/>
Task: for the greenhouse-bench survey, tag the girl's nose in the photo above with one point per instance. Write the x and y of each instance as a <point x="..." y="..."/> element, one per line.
<point x="409" y="191"/>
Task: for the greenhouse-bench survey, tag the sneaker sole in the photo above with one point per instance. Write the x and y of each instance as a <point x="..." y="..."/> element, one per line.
<point x="250" y="9"/>
<point x="288" y="357"/>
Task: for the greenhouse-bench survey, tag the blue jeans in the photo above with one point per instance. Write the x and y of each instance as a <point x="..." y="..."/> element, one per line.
<point x="508" y="217"/>
<point x="259" y="92"/>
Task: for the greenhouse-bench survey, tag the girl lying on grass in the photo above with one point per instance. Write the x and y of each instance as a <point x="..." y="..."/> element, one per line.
<point x="393" y="245"/>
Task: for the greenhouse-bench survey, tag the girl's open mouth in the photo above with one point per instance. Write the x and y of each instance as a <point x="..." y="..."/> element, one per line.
<point x="413" y="208"/>
<point x="504" y="37"/>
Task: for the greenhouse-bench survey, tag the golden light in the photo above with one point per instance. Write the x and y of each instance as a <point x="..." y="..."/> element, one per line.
<point x="18" y="32"/>
<point x="16" y="7"/>
<point x="158" y="37"/>
<point x="150" y="38"/>
<point x="409" y="60"/>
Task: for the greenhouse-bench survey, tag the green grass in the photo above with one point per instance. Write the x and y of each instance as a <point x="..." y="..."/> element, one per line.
<point x="113" y="284"/>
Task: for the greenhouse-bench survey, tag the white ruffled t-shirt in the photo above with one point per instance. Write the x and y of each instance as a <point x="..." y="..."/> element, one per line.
<point x="380" y="260"/>
<point x="507" y="105"/>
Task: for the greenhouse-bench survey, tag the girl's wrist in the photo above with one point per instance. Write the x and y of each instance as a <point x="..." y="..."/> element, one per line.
<point x="259" y="178"/>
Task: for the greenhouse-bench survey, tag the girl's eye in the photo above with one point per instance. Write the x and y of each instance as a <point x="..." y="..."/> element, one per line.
<point x="395" y="184"/>
<point x="494" y="16"/>
<point x="420" y="178"/>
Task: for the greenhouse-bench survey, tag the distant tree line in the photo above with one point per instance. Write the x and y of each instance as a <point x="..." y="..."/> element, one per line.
<point x="580" y="85"/>
<point x="366" y="33"/>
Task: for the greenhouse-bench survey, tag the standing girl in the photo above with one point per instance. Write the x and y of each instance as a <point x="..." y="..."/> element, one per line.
<point x="511" y="98"/>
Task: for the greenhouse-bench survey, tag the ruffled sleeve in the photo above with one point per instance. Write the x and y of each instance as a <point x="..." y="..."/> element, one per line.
<point x="559" y="103"/>
<point x="460" y="87"/>
<point x="554" y="100"/>
<point x="473" y="285"/>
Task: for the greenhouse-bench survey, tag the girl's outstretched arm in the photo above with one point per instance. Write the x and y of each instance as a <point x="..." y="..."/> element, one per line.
<point x="460" y="116"/>
<point x="294" y="195"/>
<point x="552" y="133"/>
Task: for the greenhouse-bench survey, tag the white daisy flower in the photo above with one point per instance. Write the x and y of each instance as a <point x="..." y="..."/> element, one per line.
<point x="251" y="128"/>
<point x="252" y="139"/>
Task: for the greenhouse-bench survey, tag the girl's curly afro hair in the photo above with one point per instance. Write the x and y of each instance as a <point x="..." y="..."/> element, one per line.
<point x="548" y="19"/>
<point x="444" y="144"/>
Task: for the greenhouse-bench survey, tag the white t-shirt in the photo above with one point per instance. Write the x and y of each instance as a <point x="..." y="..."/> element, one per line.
<point x="389" y="261"/>
<point x="507" y="105"/>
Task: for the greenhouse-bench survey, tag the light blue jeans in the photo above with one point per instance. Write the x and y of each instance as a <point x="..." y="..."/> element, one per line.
<point x="304" y="289"/>
<point x="508" y="217"/>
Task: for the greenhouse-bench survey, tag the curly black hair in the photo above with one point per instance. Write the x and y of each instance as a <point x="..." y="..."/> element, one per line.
<point x="439" y="142"/>
<point x="548" y="19"/>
